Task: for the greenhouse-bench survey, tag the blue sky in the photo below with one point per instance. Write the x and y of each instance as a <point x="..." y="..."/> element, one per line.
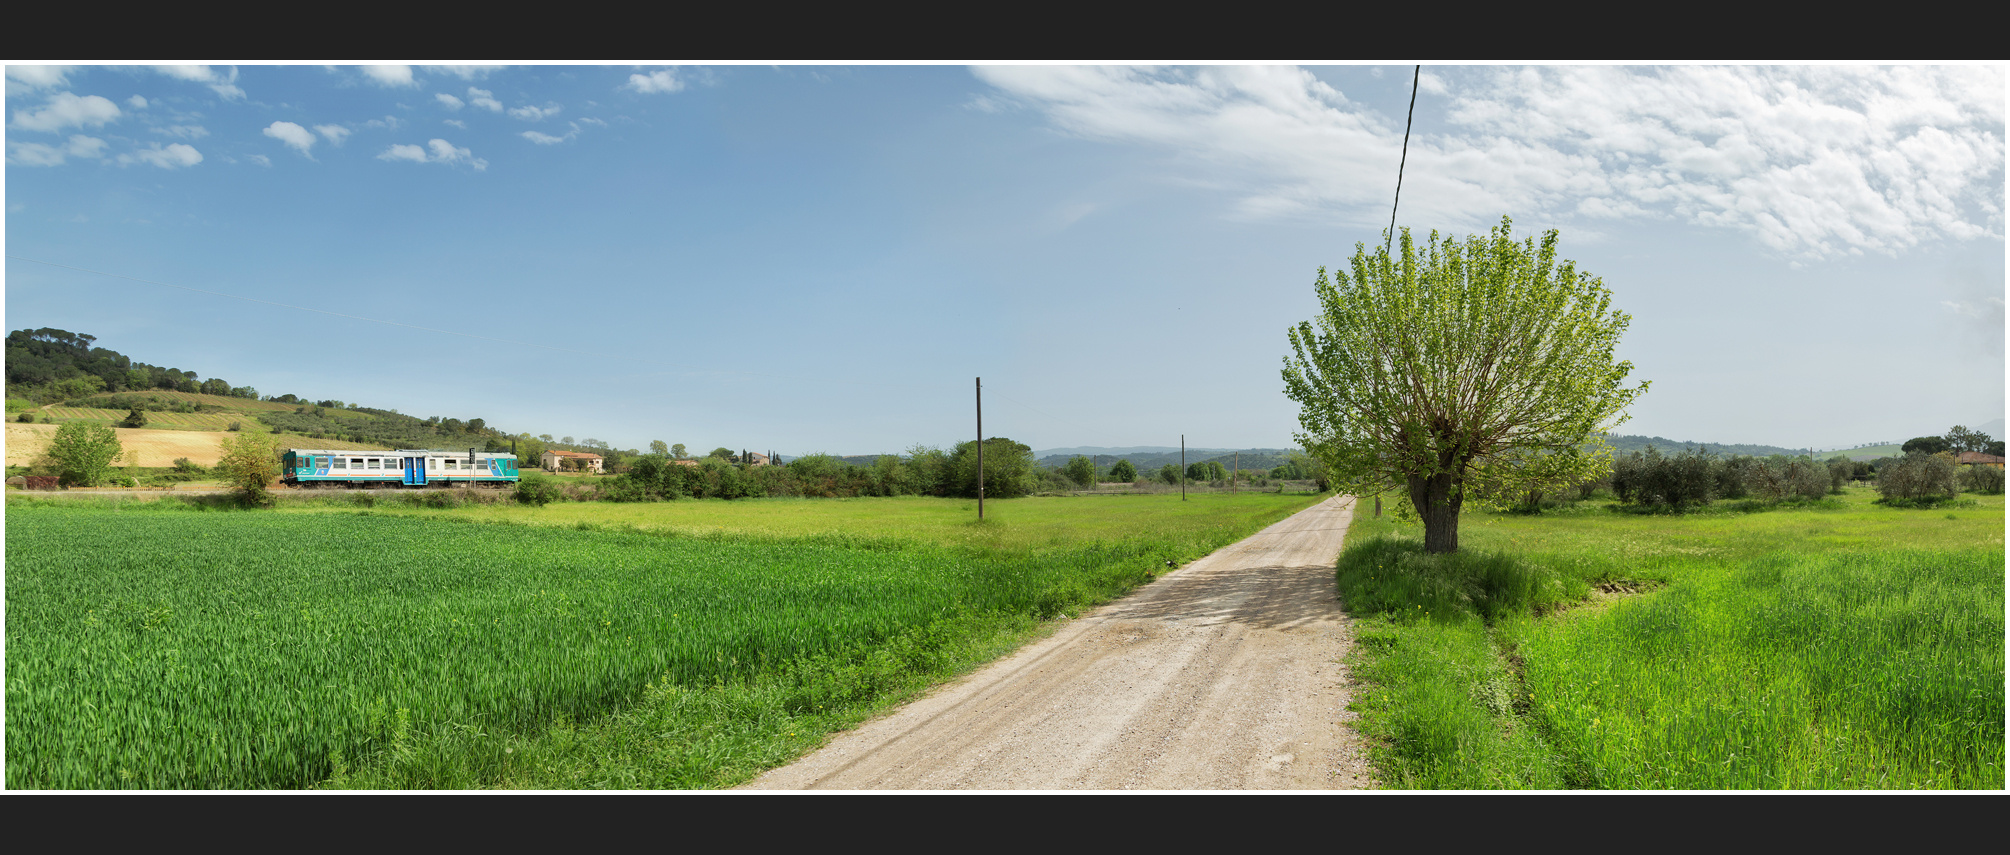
<point x="807" y="259"/>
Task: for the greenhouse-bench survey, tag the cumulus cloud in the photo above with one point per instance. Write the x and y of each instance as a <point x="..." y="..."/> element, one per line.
<point x="137" y="102"/>
<point x="1811" y="162"/>
<point x="260" y="159"/>
<point x="223" y="83"/>
<point x="435" y="151"/>
<point x="389" y="123"/>
<point x="22" y="79"/>
<point x="450" y="101"/>
<point x="484" y="99"/>
<point x="40" y="154"/>
<point x="299" y="138"/>
<point x="335" y="134"/>
<point x="173" y="156"/>
<point x="532" y="113"/>
<point x="393" y="76"/>
<point x="654" y="82"/>
<point x="400" y="151"/>
<point x="64" y="110"/>
<point x="187" y="132"/>
<point x="455" y="122"/>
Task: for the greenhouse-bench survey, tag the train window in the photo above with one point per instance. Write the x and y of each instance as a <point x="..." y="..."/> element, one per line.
<point x="394" y="463"/>
<point x="374" y="463"/>
<point x="341" y="463"/>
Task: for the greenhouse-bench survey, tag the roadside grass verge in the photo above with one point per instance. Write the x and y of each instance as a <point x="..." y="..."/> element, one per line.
<point x="159" y="645"/>
<point x="1843" y="645"/>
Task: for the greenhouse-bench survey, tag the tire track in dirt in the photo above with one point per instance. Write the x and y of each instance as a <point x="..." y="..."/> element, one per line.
<point x="1227" y="674"/>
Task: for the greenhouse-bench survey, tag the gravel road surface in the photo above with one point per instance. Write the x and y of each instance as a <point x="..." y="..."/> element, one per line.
<point x="1226" y="674"/>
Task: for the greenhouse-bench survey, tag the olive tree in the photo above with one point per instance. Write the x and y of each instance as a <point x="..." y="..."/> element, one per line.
<point x="1483" y="361"/>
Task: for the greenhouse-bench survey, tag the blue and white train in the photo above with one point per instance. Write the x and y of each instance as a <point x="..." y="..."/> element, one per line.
<point x="306" y="467"/>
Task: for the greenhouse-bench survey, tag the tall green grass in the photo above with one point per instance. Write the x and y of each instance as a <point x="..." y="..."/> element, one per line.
<point x="163" y="649"/>
<point x="1836" y="646"/>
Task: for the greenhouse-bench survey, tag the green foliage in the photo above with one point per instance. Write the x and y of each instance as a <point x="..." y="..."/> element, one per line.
<point x="1081" y="470"/>
<point x="1484" y="360"/>
<point x="26" y="417"/>
<point x="1982" y="478"/>
<point x="1124" y="471"/>
<point x="1959" y="438"/>
<point x="1925" y="445"/>
<point x="82" y="453"/>
<point x="134" y="419"/>
<point x="538" y="490"/>
<point x="1169" y="474"/>
<point x="1917" y="476"/>
<point x="1009" y="471"/>
<point x="250" y="464"/>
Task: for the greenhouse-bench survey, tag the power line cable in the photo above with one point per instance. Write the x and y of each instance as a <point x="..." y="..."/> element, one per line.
<point x="1391" y="240"/>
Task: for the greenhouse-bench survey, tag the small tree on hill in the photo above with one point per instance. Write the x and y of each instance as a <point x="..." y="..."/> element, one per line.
<point x="1124" y="471"/>
<point x="82" y="453"/>
<point x="134" y="419"/>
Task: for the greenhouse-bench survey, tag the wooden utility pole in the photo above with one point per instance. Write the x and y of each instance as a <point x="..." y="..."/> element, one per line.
<point x="979" y="447"/>
<point x="1182" y="467"/>
<point x="1236" y="474"/>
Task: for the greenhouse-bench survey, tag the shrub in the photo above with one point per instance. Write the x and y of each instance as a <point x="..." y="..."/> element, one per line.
<point x="537" y="491"/>
<point x="1982" y="479"/>
<point x="26" y="417"/>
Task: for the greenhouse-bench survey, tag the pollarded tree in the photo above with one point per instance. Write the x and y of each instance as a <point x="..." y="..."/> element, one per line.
<point x="1484" y="361"/>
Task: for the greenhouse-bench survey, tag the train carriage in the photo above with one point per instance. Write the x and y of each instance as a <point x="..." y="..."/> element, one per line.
<point x="307" y="467"/>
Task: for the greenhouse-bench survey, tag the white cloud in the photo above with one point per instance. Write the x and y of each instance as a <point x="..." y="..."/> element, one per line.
<point x="293" y="135"/>
<point x="221" y="82"/>
<point x="137" y="102"/>
<point x="83" y="146"/>
<point x="544" y="139"/>
<point x="22" y="79"/>
<point x="187" y="132"/>
<point x="1812" y="162"/>
<point x="465" y="72"/>
<point x="592" y="121"/>
<point x="39" y="154"/>
<point x="173" y="156"/>
<point x="654" y="82"/>
<point x="65" y="109"/>
<point x="531" y="113"/>
<point x="435" y="151"/>
<point x="335" y="134"/>
<point x="34" y="154"/>
<point x="484" y="99"/>
<point x="404" y="152"/>
<point x="389" y="123"/>
<point x="455" y="122"/>
<point x="450" y="101"/>
<point x="395" y="76"/>
<point x="260" y="159"/>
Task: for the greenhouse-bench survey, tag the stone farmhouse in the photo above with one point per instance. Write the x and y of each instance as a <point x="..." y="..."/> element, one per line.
<point x="590" y="462"/>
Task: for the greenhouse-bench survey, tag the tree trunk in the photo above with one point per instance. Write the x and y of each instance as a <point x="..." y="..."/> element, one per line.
<point x="1438" y="503"/>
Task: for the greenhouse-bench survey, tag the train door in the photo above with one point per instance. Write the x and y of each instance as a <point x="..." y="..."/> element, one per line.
<point x="415" y="471"/>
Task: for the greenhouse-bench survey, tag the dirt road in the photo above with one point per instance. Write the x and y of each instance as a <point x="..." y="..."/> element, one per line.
<point x="1224" y="675"/>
